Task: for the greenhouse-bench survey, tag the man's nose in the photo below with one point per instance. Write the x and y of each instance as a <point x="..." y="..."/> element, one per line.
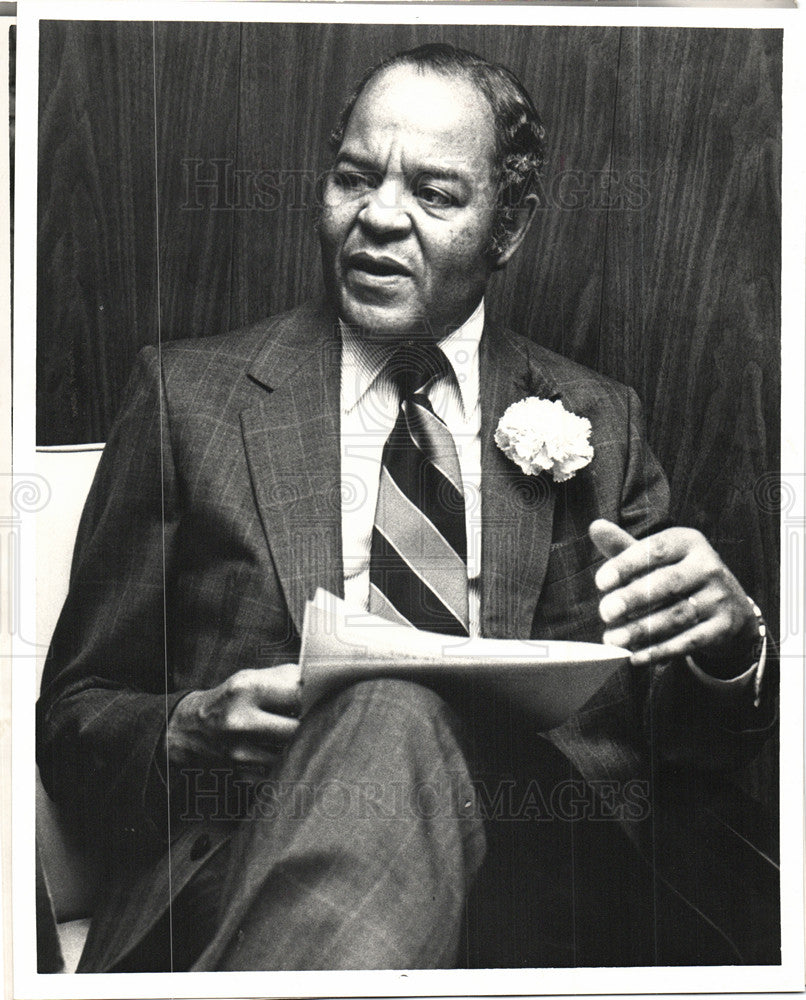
<point x="384" y="213"/>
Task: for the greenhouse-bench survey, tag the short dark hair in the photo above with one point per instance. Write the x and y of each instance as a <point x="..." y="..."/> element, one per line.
<point x="519" y="132"/>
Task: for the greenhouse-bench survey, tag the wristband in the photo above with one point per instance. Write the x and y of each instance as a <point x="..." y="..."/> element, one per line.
<point x="760" y="649"/>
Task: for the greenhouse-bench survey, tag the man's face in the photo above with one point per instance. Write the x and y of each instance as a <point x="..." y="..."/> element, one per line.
<point x="410" y="204"/>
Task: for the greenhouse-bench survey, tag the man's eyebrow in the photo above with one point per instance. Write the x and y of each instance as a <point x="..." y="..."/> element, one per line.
<point x="356" y="160"/>
<point x="439" y="171"/>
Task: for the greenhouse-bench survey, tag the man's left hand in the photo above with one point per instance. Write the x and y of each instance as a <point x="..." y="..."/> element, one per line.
<point x="669" y="595"/>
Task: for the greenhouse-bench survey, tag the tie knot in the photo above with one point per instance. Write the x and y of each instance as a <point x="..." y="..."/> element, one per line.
<point x="415" y="365"/>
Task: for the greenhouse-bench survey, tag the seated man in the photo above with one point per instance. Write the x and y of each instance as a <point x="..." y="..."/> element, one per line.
<point x="351" y="445"/>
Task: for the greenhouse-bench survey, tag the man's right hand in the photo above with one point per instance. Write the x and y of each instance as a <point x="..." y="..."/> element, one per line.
<point x="245" y="722"/>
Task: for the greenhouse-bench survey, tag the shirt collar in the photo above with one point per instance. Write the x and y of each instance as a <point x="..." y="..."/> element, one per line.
<point x="363" y="361"/>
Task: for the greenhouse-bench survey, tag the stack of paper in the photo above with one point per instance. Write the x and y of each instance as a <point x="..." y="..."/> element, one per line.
<point x="550" y="680"/>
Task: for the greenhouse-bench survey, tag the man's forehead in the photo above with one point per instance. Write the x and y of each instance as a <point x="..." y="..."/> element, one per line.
<point x="436" y="114"/>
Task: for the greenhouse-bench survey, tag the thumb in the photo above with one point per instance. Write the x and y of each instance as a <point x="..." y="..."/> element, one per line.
<point x="609" y="538"/>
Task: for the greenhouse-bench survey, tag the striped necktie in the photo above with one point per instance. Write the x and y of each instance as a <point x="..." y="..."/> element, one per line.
<point x="418" y="563"/>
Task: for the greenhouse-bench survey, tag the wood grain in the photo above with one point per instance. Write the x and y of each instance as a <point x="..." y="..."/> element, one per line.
<point x="96" y="291"/>
<point x="691" y="303"/>
<point x="552" y="290"/>
<point x="691" y="306"/>
<point x="668" y="281"/>
<point x="197" y="69"/>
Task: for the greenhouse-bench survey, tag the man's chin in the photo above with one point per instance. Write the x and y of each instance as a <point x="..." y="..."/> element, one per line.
<point x="384" y="323"/>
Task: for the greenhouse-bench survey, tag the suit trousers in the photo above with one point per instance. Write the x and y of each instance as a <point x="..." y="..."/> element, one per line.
<point x="358" y="853"/>
<point x="407" y="830"/>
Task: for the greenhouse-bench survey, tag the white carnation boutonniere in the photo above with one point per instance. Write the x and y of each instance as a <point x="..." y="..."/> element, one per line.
<point x="542" y="436"/>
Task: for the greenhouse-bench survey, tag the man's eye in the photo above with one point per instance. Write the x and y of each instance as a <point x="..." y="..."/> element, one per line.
<point x="435" y="197"/>
<point x="355" y="180"/>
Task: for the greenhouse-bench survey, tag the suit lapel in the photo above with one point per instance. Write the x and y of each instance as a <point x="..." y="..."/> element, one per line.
<point x="291" y="436"/>
<point x="516" y="510"/>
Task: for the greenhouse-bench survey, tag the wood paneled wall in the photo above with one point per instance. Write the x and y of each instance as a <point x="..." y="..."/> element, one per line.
<point x="655" y="257"/>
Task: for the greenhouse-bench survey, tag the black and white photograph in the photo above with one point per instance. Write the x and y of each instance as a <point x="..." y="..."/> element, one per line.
<point x="415" y="541"/>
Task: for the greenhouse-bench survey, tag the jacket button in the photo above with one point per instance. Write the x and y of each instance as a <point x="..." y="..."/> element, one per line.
<point x="201" y="845"/>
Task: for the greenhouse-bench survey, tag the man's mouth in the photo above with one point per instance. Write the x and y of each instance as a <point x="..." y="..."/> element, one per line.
<point x="378" y="265"/>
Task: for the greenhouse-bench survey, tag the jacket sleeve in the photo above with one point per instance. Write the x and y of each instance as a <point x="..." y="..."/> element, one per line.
<point x="106" y="689"/>
<point x="689" y="721"/>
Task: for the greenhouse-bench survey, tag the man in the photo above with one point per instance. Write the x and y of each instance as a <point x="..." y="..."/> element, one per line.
<point x="244" y="472"/>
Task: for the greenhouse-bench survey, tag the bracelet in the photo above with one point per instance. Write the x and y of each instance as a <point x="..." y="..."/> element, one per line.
<point x="760" y="623"/>
<point x="759" y="650"/>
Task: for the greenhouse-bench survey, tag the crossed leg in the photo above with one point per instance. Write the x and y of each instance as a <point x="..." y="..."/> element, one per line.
<point x="358" y="853"/>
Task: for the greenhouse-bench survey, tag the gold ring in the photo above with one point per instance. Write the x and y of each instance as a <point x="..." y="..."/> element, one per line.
<point x="695" y="609"/>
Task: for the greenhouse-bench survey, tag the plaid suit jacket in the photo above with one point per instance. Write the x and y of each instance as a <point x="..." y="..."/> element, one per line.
<point x="214" y="515"/>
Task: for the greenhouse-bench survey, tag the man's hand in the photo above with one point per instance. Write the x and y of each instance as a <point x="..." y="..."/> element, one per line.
<point x="669" y="595"/>
<point x="245" y="722"/>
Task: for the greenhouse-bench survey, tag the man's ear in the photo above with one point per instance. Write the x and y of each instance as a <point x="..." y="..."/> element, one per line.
<point x="516" y="230"/>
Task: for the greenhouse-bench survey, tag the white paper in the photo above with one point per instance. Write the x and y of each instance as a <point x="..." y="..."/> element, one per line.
<point x="550" y="680"/>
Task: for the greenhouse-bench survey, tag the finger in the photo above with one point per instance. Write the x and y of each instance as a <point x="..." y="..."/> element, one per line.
<point x="254" y="758"/>
<point x="251" y="724"/>
<point x="673" y="620"/>
<point x="272" y="688"/>
<point x="609" y="538"/>
<point x="661" y="549"/>
<point x="277" y="730"/>
<point x="684" y="644"/>
<point x="658" y="589"/>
